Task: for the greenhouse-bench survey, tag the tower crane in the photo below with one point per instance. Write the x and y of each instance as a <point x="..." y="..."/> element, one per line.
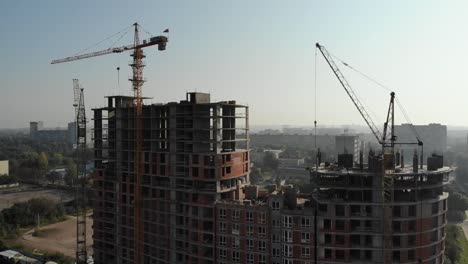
<point x="137" y="83"/>
<point x="80" y="184"/>
<point x="387" y="140"/>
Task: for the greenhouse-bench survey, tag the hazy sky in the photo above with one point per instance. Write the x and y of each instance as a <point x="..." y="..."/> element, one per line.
<point x="260" y="53"/>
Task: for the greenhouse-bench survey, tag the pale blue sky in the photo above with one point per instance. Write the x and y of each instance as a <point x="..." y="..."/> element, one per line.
<point x="260" y="53"/>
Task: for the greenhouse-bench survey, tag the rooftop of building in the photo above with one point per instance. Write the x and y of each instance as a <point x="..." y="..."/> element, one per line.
<point x="14" y="255"/>
<point x="406" y="170"/>
<point x="394" y="164"/>
<point x="260" y="196"/>
<point x="191" y="98"/>
<point x="126" y="97"/>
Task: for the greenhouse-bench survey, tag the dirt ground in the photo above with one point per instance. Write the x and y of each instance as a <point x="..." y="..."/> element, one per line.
<point x="9" y="199"/>
<point x="58" y="237"/>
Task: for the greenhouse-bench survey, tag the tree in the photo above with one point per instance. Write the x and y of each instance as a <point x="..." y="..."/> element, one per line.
<point x="5" y="179"/>
<point x="53" y="176"/>
<point x="462" y="168"/>
<point x="59" y="258"/>
<point x="43" y="162"/>
<point x="56" y="159"/>
<point x="452" y="246"/>
<point x="2" y="246"/>
<point x="456" y="216"/>
<point x="71" y="173"/>
<point x="30" y="159"/>
<point x="256" y="176"/>
<point x="270" y="161"/>
<point x="457" y="201"/>
<point x="41" y="207"/>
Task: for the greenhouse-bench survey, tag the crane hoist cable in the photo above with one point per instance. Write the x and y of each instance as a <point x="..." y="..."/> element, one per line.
<point x="315" y="101"/>
<point x="123" y="35"/>
<point x="146" y="31"/>
<point x="97" y="43"/>
<point x="369" y="109"/>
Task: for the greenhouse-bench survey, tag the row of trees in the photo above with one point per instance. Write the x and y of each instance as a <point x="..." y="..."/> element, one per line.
<point x="70" y="173"/>
<point x="35" y="167"/>
<point x="31" y="160"/>
<point x="5" y="179"/>
<point x="27" y="214"/>
<point x="457" y="205"/>
<point x="455" y="244"/>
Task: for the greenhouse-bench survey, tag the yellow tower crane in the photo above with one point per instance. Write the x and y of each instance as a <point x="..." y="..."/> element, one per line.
<point x="388" y="142"/>
<point x="137" y="82"/>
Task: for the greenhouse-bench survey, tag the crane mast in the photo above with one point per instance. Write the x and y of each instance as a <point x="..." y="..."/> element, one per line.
<point x="80" y="184"/>
<point x="137" y="83"/>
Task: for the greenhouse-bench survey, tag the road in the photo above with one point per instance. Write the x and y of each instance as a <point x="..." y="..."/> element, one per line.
<point x="58" y="237"/>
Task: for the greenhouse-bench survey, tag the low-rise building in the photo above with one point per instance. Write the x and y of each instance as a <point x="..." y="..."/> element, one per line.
<point x="274" y="226"/>
<point x="4" y="167"/>
<point x="11" y="256"/>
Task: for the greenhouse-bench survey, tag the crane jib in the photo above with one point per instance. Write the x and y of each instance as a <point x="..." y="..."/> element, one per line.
<point x="161" y="41"/>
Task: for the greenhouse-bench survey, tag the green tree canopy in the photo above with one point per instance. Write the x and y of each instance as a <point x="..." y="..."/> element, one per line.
<point x="270" y="161"/>
<point x="256" y="176"/>
<point x="71" y="172"/>
<point x="43" y="162"/>
<point x="53" y="176"/>
<point x="56" y="159"/>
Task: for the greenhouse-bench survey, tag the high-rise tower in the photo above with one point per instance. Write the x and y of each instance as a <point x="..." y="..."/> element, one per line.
<point x="195" y="153"/>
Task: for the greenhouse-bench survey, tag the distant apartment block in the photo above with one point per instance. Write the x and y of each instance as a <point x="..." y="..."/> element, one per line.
<point x="257" y="156"/>
<point x="303" y="141"/>
<point x="71" y="133"/>
<point x="291" y="163"/>
<point x="434" y="137"/>
<point x="39" y="133"/>
<point x="348" y="144"/>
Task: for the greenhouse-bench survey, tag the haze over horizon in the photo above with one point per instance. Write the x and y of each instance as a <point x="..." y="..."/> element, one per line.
<point x="258" y="53"/>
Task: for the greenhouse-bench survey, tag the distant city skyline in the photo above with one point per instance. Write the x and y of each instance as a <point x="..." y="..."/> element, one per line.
<point x="260" y="53"/>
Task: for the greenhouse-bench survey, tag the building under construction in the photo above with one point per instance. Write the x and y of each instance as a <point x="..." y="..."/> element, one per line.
<point x="198" y="205"/>
<point x="195" y="152"/>
<point x="350" y="212"/>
